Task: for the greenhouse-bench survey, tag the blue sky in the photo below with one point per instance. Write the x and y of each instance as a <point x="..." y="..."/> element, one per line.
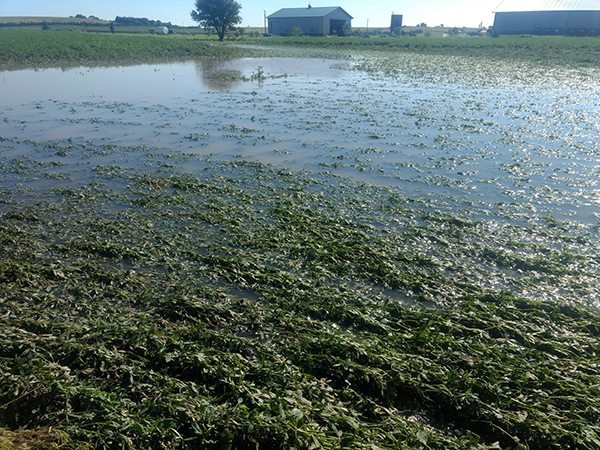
<point x="433" y="12"/>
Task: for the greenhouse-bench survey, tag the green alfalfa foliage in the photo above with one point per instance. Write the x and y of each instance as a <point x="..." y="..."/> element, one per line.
<point x="244" y="307"/>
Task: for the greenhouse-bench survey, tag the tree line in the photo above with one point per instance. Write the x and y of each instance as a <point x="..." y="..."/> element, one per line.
<point x="139" y="21"/>
<point x="124" y="21"/>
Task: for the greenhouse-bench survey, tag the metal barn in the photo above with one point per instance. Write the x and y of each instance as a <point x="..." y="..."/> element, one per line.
<point x="322" y="21"/>
<point x="547" y="17"/>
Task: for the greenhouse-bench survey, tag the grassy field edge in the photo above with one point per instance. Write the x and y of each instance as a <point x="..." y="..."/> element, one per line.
<point x="37" y="48"/>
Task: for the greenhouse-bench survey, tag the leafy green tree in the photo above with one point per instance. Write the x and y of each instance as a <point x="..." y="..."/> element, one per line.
<point x="218" y="14"/>
<point x="346" y="30"/>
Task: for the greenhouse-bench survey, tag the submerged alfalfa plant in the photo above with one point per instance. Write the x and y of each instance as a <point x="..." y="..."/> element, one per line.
<point x="247" y="305"/>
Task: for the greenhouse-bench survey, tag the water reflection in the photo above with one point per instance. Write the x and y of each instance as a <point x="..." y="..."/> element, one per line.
<point x="243" y="73"/>
<point x="156" y="81"/>
<point x="214" y="76"/>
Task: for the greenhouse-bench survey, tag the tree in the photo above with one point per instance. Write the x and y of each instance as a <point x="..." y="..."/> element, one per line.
<point x="218" y="14"/>
<point x="346" y="30"/>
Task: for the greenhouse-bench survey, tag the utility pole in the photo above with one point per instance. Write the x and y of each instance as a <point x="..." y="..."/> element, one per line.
<point x="265" y="12"/>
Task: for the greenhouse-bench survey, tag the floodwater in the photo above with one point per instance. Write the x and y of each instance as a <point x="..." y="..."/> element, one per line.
<point x="520" y="143"/>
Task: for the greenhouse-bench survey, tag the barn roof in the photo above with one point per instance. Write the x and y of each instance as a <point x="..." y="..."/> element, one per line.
<point x="305" y="12"/>
<point x="547" y="5"/>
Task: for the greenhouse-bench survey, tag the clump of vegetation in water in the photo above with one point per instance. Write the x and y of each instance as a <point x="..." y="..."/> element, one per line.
<point x="243" y="305"/>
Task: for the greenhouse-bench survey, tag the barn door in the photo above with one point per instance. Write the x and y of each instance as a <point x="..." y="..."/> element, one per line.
<point x="335" y="26"/>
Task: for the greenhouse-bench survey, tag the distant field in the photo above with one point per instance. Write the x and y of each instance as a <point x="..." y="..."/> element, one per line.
<point x="88" y="25"/>
<point x="41" y="19"/>
<point x="24" y="47"/>
<point x="547" y="50"/>
<point x="37" y="48"/>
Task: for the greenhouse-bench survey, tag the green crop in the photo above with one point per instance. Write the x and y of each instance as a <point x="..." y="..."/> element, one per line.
<point x="246" y="305"/>
<point x="36" y="48"/>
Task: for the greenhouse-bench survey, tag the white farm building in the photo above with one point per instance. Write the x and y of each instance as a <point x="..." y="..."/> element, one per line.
<point x="321" y="21"/>
<point x="547" y="17"/>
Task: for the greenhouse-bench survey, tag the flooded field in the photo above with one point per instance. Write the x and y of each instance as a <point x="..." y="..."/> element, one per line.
<point x="463" y="143"/>
<point x="383" y="248"/>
